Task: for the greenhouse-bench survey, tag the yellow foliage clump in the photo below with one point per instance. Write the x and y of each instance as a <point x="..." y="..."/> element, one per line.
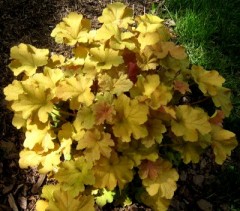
<point x="99" y="119"/>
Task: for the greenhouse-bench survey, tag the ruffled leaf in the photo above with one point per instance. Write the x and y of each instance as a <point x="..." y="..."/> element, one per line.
<point x="27" y="58"/>
<point x="73" y="29"/>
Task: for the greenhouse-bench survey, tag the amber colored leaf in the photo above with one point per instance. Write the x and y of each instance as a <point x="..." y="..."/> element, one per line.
<point x="85" y="118"/>
<point x="123" y="40"/>
<point x="73" y="29"/>
<point x="190" y="123"/>
<point x="117" y="84"/>
<point x="26" y="58"/>
<point x="118" y="14"/>
<point x="112" y="172"/>
<point x="121" y="84"/>
<point x="149" y="83"/>
<point x="147" y="60"/>
<point x="63" y="200"/>
<point x="96" y="144"/>
<point x="155" y="128"/>
<point x="163" y="49"/>
<point x="149" y="169"/>
<point x="79" y="129"/>
<point x="174" y="66"/>
<point x="103" y="111"/>
<point x="129" y="118"/>
<point x="148" y="23"/>
<point x="76" y="89"/>
<point x="164" y="183"/>
<point x="118" y="39"/>
<point x="208" y="81"/>
<point x="74" y="175"/>
<point x="105" y="58"/>
<point x="217" y="118"/>
<point x="137" y="152"/>
<point x="154" y="93"/>
<point x="81" y="51"/>
<point x="223" y="142"/>
<point x="181" y="86"/>
<point x="148" y="39"/>
<point x="160" y="97"/>
<point x="35" y="100"/>
<point x="223" y="99"/>
<point x="65" y="136"/>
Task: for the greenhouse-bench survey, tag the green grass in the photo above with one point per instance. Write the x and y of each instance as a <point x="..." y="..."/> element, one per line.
<point x="210" y="32"/>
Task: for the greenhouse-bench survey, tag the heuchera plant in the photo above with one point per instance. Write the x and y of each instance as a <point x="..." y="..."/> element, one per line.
<point x="102" y="120"/>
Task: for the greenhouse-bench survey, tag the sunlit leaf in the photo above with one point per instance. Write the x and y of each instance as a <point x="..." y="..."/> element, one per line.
<point x="73" y="29"/>
<point x="77" y="90"/>
<point x="95" y="145"/>
<point x="103" y="111"/>
<point x="148" y="23"/>
<point x="41" y="136"/>
<point x="34" y="101"/>
<point x="13" y="90"/>
<point x="118" y="14"/>
<point x="27" y="58"/>
<point x="104" y="196"/>
<point x="41" y="205"/>
<point x="105" y="58"/>
<point x="129" y="119"/>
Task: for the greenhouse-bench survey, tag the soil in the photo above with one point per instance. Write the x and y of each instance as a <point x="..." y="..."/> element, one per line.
<point x="31" y="22"/>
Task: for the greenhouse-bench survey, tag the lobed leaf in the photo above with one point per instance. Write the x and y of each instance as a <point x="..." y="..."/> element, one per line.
<point x="190" y="122"/>
<point x="74" y="29"/>
<point x="26" y="59"/>
<point x="117" y="14"/>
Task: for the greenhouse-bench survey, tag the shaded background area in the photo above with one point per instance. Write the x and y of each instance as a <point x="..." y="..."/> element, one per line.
<point x="203" y="186"/>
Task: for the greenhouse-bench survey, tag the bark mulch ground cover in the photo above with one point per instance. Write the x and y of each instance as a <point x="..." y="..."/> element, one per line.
<point x="31" y="22"/>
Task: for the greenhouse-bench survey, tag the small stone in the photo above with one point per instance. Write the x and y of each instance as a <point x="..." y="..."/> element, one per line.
<point x="183" y="176"/>
<point x="22" y="202"/>
<point x="198" y="180"/>
<point x="204" y="205"/>
<point x="203" y="164"/>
